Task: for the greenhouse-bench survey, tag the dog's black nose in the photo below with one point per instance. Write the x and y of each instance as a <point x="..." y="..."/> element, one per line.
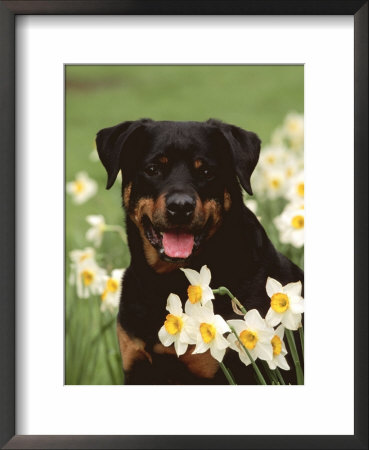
<point x="180" y="207"/>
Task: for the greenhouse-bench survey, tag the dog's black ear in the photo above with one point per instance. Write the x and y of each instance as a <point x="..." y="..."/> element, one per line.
<point x="111" y="144"/>
<point x="245" y="150"/>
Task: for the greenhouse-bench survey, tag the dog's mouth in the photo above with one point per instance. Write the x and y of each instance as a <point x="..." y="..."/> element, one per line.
<point x="173" y="244"/>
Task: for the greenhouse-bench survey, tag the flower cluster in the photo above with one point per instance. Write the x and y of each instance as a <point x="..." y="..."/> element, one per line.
<point x="253" y="337"/>
<point x="280" y="175"/>
<point x="82" y="188"/>
<point x="91" y="279"/>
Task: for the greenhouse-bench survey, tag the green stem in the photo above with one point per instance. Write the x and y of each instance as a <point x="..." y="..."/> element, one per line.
<point x="301" y="333"/>
<point x="256" y="368"/>
<point x="279" y="375"/>
<point x="224" y="291"/>
<point x="271" y="375"/>
<point x="119" y="229"/>
<point x="295" y="356"/>
<point x="227" y="374"/>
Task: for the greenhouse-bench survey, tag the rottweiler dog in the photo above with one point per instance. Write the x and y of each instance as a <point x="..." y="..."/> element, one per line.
<point x="182" y="195"/>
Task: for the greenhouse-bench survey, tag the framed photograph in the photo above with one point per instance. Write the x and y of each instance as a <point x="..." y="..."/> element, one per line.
<point x="294" y="78"/>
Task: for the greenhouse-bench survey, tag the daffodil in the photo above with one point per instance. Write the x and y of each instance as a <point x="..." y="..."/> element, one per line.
<point x="207" y="329"/>
<point x="293" y="130"/>
<point x="286" y="304"/>
<point x="78" y="256"/>
<point x="82" y="188"/>
<point x="255" y="335"/>
<point x="292" y="167"/>
<point x="274" y="182"/>
<point x="279" y="350"/>
<point x="291" y="225"/>
<point x="295" y="189"/>
<point x="199" y="290"/>
<point x="175" y="328"/>
<point x="85" y="273"/>
<point x="96" y="232"/>
<point x="272" y="156"/>
<point x="110" y="296"/>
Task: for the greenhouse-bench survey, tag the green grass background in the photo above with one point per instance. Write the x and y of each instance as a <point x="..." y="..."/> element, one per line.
<point x="256" y="98"/>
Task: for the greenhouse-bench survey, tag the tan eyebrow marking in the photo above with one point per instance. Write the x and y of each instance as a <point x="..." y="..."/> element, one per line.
<point x="163" y="159"/>
<point x="197" y="163"/>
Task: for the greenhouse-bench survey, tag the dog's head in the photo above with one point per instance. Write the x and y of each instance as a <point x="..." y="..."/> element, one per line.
<point x="179" y="180"/>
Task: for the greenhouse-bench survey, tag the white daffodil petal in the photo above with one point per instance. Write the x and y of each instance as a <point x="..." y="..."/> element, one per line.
<point x="205" y="314"/>
<point x="188" y="333"/>
<point x="293" y="288"/>
<point x="95" y="220"/>
<point x="205" y="276"/>
<point x="220" y="342"/>
<point x="207" y="294"/>
<point x="265" y="351"/>
<point x="280" y="332"/>
<point x="273" y="286"/>
<point x="244" y="358"/>
<point x="91" y="234"/>
<point x="174" y="305"/>
<point x="254" y="320"/>
<point x="282" y="362"/>
<point x="290" y="320"/>
<point x="297" y="306"/>
<point x="180" y="347"/>
<point x="201" y="347"/>
<point x="192" y="276"/>
<point x="272" y="364"/>
<point x="192" y="309"/>
<point x="217" y="353"/>
<point x="209" y="305"/>
<point x="273" y="318"/>
<point x="297" y="238"/>
<point x="286" y="236"/>
<point x="231" y="338"/>
<point x="221" y="325"/>
<point x="265" y="335"/>
<point x="238" y="325"/>
<point x="165" y="338"/>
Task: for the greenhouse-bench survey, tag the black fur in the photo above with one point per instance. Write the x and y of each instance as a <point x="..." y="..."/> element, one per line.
<point x="239" y="255"/>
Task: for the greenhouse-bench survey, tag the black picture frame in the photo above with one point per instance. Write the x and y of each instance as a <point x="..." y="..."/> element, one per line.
<point x="8" y="11"/>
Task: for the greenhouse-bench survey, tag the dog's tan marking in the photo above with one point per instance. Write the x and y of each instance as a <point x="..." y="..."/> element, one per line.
<point x="131" y="350"/>
<point x="227" y="200"/>
<point x="163" y="159"/>
<point x="201" y="364"/>
<point x="144" y="206"/>
<point x="127" y="195"/>
<point x="197" y="163"/>
<point x="212" y="209"/>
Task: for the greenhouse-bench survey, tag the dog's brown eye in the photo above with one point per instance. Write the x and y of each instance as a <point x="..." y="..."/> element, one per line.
<point x="152" y="170"/>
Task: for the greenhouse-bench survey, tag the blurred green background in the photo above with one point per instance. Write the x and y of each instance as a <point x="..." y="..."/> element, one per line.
<point x="256" y="98"/>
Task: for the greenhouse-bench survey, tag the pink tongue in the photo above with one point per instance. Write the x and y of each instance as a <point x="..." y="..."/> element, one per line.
<point x="178" y="245"/>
